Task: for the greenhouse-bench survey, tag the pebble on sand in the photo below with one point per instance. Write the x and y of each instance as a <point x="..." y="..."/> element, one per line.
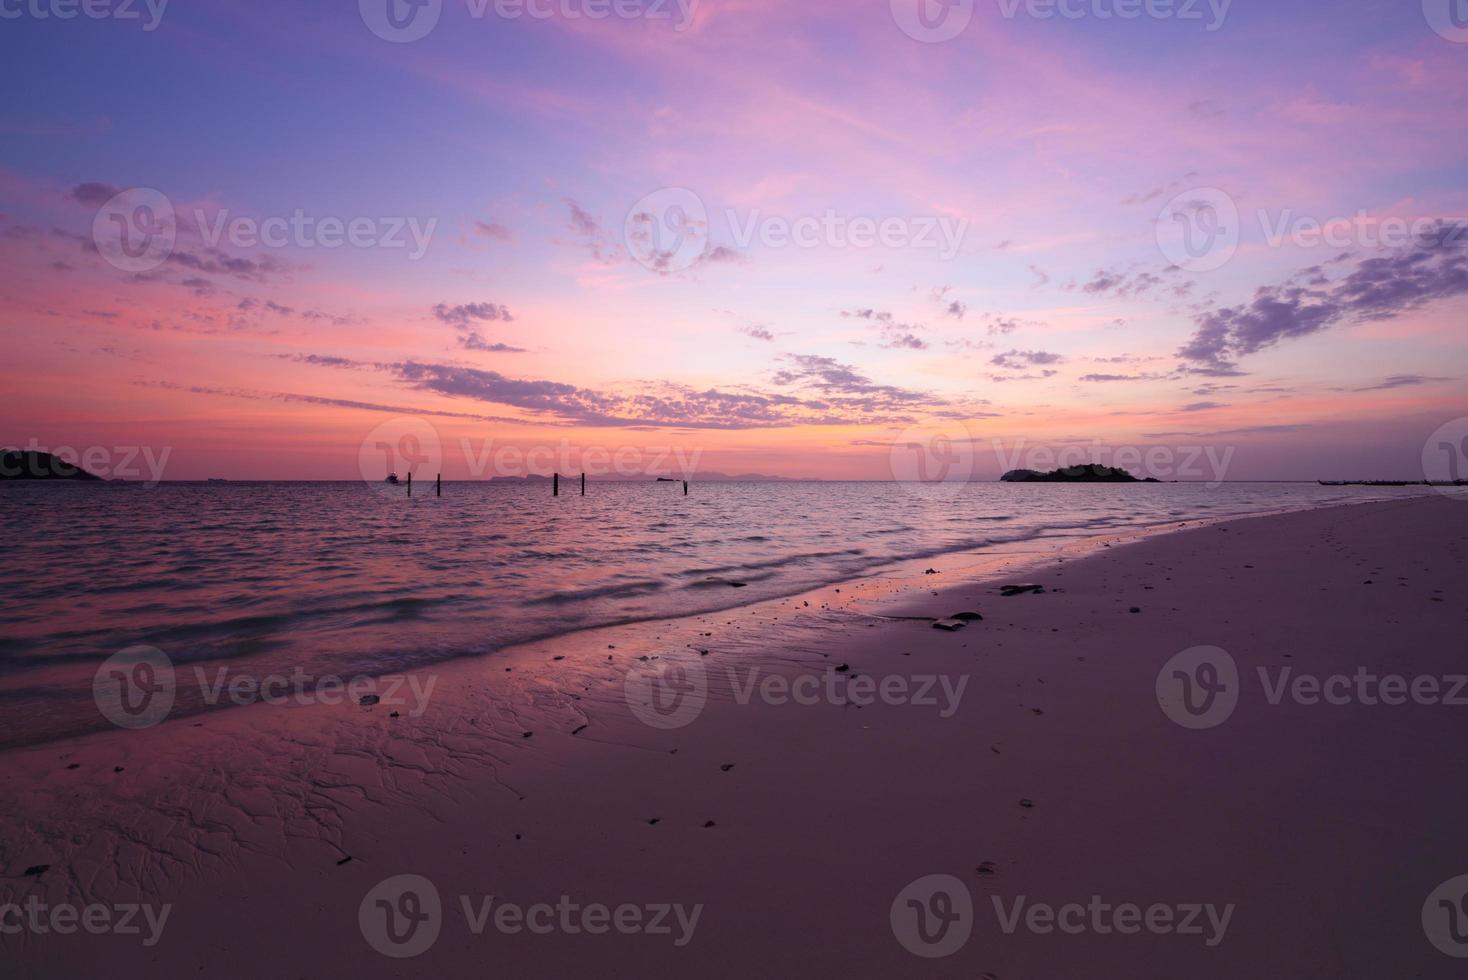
<point x="949" y="625"/>
<point x="1009" y="590"/>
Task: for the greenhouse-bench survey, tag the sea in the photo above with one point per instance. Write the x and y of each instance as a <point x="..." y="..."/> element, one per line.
<point x="350" y="579"/>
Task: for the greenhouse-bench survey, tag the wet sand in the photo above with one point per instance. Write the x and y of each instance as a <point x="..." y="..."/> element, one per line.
<point x="1032" y="755"/>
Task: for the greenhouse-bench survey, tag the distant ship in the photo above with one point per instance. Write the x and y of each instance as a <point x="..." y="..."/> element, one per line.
<point x="391" y="478"/>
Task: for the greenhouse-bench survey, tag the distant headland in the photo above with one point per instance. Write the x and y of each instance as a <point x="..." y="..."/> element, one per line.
<point x="17" y="464"/>
<point x="1087" y="473"/>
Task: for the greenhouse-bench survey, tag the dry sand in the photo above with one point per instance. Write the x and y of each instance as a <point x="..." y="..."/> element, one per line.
<point x="789" y="829"/>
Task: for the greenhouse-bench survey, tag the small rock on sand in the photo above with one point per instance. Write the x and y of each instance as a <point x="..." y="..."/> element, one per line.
<point x="36" y="869"/>
<point x="1009" y="590"/>
<point x="368" y="699"/>
<point x="967" y="617"/>
<point x="950" y="625"/>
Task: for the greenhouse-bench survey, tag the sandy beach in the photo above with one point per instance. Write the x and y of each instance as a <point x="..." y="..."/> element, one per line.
<point x="769" y="791"/>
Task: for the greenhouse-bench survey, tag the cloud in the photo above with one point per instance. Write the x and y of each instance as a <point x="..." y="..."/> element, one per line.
<point x="1120" y="377"/>
<point x="1398" y="381"/>
<point x="1202" y="406"/>
<point x="894" y="334"/>
<point x="94" y="195"/>
<point x="596" y="241"/>
<point x="471" y="340"/>
<point x="491" y="229"/>
<point x="757" y="332"/>
<point x="1380" y="288"/>
<point x="214" y="261"/>
<point x="466" y="313"/>
<point x="1014" y="360"/>
<point x="674" y="405"/>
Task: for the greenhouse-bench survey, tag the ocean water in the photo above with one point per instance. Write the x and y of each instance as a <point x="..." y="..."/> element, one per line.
<point x="347" y="578"/>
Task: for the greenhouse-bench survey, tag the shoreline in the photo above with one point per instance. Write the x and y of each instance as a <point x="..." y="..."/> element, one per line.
<point x="856" y="799"/>
<point x="965" y="562"/>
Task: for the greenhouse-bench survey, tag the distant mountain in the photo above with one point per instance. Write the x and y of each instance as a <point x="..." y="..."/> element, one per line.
<point x="1089" y="473"/>
<point x="16" y="464"/>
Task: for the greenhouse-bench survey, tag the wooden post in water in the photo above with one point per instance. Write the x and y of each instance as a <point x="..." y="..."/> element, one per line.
<point x="685" y="488"/>
<point x="410" y="483"/>
<point x="555" y="484"/>
<point x="583" y="484"/>
<point x="438" y="486"/>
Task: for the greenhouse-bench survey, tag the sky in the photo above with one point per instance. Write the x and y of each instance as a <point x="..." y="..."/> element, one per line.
<point x="840" y="239"/>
